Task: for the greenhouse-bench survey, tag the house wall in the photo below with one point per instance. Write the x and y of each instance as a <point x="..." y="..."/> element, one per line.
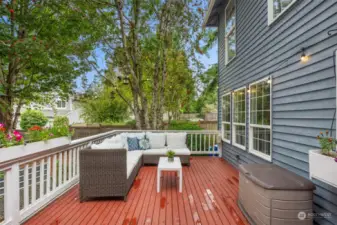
<point x="303" y="95"/>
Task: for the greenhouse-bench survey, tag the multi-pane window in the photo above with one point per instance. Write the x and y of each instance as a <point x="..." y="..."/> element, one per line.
<point x="277" y="7"/>
<point x="226" y="117"/>
<point x="61" y="104"/>
<point x="230" y="31"/>
<point x="239" y="117"/>
<point x="260" y="107"/>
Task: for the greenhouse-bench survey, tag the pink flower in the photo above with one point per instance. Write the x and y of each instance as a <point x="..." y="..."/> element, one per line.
<point x="16" y="132"/>
<point x="2" y="125"/>
<point x="335" y="159"/>
<point x="9" y="137"/>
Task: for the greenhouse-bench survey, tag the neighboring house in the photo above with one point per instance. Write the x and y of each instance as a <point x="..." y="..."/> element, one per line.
<point x="277" y="83"/>
<point x="68" y="108"/>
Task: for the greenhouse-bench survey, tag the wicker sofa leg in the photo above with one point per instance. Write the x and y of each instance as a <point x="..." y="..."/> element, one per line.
<point x="125" y="198"/>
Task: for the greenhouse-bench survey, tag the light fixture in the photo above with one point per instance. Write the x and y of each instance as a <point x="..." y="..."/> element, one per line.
<point x="248" y="90"/>
<point x="304" y="57"/>
<point x="269" y="81"/>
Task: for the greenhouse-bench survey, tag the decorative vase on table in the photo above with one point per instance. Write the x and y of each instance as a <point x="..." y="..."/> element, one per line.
<point x="170" y="155"/>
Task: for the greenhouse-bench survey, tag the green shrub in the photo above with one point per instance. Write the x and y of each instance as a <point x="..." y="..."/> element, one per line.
<point x="61" y="121"/>
<point x="30" y="118"/>
<point x="131" y="123"/>
<point x="184" y="125"/>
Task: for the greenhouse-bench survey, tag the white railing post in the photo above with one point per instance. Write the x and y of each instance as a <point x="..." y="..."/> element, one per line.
<point x="26" y="186"/>
<point x="12" y="195"/>
<point x="41" y="178"/>
<point x="33" y="193"/>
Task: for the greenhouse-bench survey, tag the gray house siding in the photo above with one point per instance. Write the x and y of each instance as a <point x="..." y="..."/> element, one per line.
<point x="303" y="94"/>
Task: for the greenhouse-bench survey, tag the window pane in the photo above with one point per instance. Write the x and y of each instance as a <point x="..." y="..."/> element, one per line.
<point x="226" y="131"/>
<point x="279" y="6"/>
<point x="231" y="45"/>
<point x="260" y="103"/>
<point x="226" y="108"/>
<point x="230" y="16"/>
<point x="261" y="140"/>
<point x="240" y="135"/>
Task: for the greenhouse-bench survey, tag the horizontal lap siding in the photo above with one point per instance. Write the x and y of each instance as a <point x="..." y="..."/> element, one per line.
<point x="304" y="95"/>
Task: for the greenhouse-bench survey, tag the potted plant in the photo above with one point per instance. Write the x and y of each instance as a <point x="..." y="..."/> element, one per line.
<point x="170" y="155"/>
<point x="323" y="162"/>
<point x="39" y="139"/>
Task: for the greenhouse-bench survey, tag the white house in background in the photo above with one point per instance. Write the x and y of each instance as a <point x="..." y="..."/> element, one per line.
<point x="69" y="108"/>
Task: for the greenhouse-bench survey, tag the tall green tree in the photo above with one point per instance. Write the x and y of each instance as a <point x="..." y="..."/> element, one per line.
<point x="99" y="106"/>
<point x="141" y="37"/>
<point x="43" y="48"/>
<point x="208" y="82"/>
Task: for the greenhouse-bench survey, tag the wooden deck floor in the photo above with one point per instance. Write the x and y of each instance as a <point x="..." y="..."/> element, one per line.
<point x="210" y="192"/>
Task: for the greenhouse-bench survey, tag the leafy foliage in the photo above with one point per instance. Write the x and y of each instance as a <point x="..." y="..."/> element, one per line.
<point x="30" y="118"/>
<point x="61" y="121"/>
<point x="207" y="100"/>
<point x="328" y="144"/>
<point x="37" y="133"/>
<point x="44" y="46"/>
<point x="183" y="125"/>
<point x="98" y="107"/>
<point x="11" y="138"/>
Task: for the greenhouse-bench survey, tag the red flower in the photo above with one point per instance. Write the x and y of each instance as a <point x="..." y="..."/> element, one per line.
<point x="12" y="13"/>
<point x="330" y="140"/>
<point x="2" y="129"/>
<point x="35" y="128"/>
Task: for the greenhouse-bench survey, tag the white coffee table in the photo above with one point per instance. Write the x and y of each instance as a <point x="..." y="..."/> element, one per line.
<point x="165" y="165"/>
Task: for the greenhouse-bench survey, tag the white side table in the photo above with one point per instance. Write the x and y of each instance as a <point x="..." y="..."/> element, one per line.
<point x="165" y="165"/>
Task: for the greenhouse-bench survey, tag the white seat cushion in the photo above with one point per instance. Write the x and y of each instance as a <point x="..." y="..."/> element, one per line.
<point x="161" y="151"/>
<point x="133" y="158"/>
<point x="157" y="140"/>
<point x="113" y="140"/>
<point x="176" y="140"/>
<point x="182" y="151"/>
<point x="107" y="146"/>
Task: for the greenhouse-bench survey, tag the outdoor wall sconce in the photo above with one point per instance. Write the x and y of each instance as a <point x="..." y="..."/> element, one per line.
<point x="304" y="57"/>
<point x="248" y="90"/>
<point x="269" y="80"/>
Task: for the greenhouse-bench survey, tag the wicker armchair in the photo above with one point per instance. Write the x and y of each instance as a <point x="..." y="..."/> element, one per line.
<point x="103" y="173"/>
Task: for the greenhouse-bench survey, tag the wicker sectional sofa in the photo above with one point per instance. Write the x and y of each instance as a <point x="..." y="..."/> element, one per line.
<point x="109" y="169"/>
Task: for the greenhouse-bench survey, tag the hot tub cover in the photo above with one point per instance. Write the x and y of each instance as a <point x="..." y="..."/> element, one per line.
<point x="273" y="177"/>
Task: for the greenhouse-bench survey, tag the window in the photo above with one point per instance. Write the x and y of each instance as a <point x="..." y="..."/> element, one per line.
<point x="226" y="117"/>
<point x="61" y="104"/>
<point x="260" y="116"/>
<point x="277" y="7"/>
<point x="230" y="30"/>
<point x="239" y="118"/>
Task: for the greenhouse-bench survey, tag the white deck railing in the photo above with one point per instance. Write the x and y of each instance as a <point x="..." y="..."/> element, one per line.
<point x="31" y="182"/>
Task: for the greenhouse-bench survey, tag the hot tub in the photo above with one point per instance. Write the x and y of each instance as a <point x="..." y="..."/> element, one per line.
<point x="271" y="195"/>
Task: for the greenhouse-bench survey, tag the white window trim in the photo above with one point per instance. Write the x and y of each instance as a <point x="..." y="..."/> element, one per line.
<point x="61" y="108"/>
<point x="250" y="138"/>
<point x="226" y="36"/>
<point x="243" y="147"/>
<point x="271" y="18"/>
<point x="230" y="118"/>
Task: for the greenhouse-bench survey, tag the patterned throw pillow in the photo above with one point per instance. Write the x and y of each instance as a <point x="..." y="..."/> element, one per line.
<point x="144" y="144"/>
<point x="133" y="144"/>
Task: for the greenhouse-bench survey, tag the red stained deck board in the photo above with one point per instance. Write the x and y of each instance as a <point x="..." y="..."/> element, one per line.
<point x="210" y="192"/>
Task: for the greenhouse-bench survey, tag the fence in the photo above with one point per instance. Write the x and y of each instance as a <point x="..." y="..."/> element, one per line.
<point x="208" y="125"/>
<point x="81" y="131"/>
<point x="29" y="183"/>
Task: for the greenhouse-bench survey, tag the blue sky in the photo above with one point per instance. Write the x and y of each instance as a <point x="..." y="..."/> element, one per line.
<point x="206" y="59"/>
